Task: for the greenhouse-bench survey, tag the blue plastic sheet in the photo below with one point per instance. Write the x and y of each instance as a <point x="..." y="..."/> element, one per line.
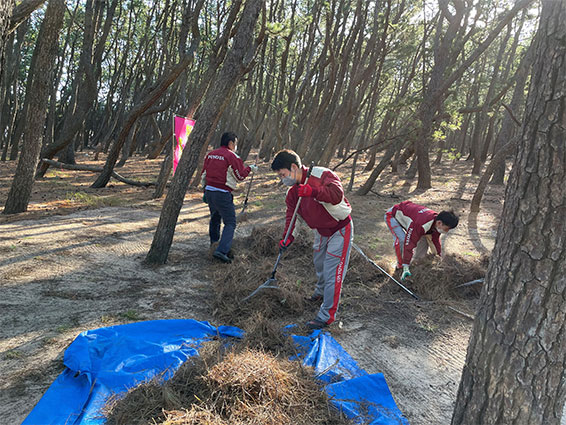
<point x="112" y="360"/>
<point x="360" y="396"/>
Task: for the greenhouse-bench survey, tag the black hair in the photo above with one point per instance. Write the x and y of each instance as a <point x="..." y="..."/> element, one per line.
<point x="227" y="138"/>
<point x="284" y="159"/>
<point x="448" y="218"/>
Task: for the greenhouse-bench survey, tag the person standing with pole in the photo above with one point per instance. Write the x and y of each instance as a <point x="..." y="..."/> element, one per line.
<point x="222" y="171"/>
<point x="326" y="210"/>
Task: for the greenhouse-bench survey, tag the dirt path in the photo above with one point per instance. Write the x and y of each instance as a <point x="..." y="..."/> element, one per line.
<point x="61" y="275"/>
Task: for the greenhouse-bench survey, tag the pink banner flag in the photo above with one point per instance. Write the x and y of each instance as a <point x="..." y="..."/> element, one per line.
<point x="183" y="127"/>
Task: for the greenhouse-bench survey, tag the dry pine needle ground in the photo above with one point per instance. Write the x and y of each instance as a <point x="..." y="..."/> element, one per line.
<point x="254" y="383"/>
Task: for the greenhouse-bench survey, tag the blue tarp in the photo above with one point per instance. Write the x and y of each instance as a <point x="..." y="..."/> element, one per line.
<point x="110" y="360"/>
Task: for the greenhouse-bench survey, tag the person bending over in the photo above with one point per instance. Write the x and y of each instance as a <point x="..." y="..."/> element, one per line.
<point x="414" y="226"/>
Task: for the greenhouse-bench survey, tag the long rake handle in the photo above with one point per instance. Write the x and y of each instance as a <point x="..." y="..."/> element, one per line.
<point x="270" y="283"/>
<point x="286" y="237"/>
<point x="251" y="179"/>
<point x="357" y="248"/>
<point x="291" y="224"/>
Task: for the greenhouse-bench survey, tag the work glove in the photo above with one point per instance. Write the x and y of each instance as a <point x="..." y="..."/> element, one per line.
<point x="254" y="168"/>
<point x="204" y="198"/>
<point x="284" y="244"/>
<point x="406" y="272"/>
<point x="305" y="190"/>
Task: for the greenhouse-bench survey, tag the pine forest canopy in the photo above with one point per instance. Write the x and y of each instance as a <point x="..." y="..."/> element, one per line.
<point x="329" y="76"/>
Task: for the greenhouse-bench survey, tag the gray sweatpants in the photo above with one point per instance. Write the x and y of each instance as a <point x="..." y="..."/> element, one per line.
<point x="399" y="239"/>
<point x="331" y="257"/>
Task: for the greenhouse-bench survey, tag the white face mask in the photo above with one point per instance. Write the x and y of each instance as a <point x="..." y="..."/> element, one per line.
<point x="441" y="230"/>
<point x="288" y="181"/>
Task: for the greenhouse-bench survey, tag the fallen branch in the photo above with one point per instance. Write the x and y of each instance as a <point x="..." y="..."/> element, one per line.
<point x="94" y="169"/>
<point x="469" y="316"/>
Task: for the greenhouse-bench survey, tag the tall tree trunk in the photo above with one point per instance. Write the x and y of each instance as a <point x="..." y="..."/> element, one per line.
<point x="86" y="80"/>
<point x="10" y="88"/>
<point x="509" y="125"/>
<point x="237" y="61"/>
<point x="45" y="53"/>
<point x="480" y="143"/>
<point x="6" y="8"/>
<point x="514" y="372"/>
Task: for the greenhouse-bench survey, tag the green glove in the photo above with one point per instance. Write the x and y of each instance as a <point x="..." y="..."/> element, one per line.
<point x="406" y="272"/>
<point x="204" y="198"/>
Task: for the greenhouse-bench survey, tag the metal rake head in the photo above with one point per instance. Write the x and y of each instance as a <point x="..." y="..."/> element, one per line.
<point x="269" y="283"/>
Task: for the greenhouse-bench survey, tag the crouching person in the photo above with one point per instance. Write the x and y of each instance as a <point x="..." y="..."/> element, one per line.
<point x="325" y="210"/>
<point x="416" y="227"/>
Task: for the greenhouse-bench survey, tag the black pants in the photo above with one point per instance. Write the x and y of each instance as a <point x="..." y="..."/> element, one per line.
<point x="221" y="205"/>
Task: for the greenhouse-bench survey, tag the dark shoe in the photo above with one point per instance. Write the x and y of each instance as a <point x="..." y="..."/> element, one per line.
<point x="313" y="298"/>
<point x="222" y="257"/>
<point x="230" y="255"/>
<point x="315" y="324"/>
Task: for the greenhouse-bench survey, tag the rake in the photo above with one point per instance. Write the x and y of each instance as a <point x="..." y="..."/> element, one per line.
<point x="242" y="216"/>
<point x="272" y="281"/>
<point x="373" y="263"/>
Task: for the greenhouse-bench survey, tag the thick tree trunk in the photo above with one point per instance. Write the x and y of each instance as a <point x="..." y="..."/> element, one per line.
<point x="67" y="155"/>
<point x="237" y="60"/>
<point x="45" y="54"/>
<point x="514" y="372"/>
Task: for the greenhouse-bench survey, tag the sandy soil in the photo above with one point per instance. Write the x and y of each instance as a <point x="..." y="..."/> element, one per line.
<point x="74" y="262"/>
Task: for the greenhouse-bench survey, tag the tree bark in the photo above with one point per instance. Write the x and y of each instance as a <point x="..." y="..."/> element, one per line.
<point x="22" y="11"/>
<point x="238" y="59"/>
<point x="45" y="52"/>
<point x="132" y="117"/>
<point x="6" y="9"/>
<point x="514" y="372"/>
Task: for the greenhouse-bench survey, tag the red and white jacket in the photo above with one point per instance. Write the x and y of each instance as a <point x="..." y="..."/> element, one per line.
<point x="223" y="169"/>
<point x="327" y="210"/>
<point x="417" y="221"/>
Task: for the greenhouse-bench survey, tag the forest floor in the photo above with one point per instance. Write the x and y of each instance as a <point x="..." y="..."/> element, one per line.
<point x="73" y="262"/>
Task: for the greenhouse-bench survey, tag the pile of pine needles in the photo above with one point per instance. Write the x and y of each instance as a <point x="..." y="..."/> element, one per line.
<point x="233" y="386"/>
<point x="441" y="278"/>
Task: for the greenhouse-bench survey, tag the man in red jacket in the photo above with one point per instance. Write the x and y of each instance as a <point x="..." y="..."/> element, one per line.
<point x="222" y="171"/>
<point x="325" y="209"/>
<point x="414" y="226"/>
